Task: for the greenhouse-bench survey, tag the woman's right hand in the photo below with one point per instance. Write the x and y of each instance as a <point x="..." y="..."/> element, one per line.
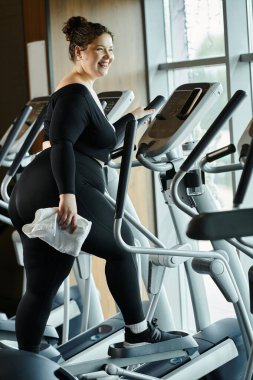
<point x="46" y="144"/>
<point x="140" y="112"/>
<point x="67" y="212"/>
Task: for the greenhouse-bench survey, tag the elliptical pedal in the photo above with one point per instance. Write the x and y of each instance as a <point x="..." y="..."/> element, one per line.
<point x="183" y="345"/>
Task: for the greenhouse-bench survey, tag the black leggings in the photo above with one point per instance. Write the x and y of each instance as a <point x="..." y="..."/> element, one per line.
<point x="46" y="268"/>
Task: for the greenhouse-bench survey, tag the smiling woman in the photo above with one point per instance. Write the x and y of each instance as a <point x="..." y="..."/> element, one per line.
<point x="91" y="45"/>
<point x="68" y="177"/>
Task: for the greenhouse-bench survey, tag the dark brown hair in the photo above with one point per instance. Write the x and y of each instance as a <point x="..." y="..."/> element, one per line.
<point x="80" y="32"/>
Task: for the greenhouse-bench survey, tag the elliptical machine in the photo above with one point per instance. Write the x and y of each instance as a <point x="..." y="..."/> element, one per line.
<point x="158" y="142"/>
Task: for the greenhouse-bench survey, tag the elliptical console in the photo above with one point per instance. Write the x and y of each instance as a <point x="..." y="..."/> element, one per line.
<point x="182" y="112"/>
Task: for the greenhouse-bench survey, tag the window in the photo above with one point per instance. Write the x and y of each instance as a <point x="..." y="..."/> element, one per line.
<point x="195" y="53"/>
<point x="194" y="28"/>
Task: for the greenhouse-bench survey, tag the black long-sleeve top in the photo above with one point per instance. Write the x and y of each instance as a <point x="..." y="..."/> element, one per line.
<point x="74" y="121"/>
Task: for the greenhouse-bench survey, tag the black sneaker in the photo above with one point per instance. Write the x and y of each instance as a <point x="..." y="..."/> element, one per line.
<point x="151" y="335"/>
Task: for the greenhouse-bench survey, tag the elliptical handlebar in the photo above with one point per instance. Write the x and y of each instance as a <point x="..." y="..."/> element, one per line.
<point x="156" y="103"/>
<point x="224" y="115"/>
<point x="158" y="166"/>
<point x="18" y="124"/>
<point x="215" y="155"/>
<point x="245" y="178"/>
<point x="35" y="129"/>
<point x="27" y="144"/>
<point x="125" y="167"/>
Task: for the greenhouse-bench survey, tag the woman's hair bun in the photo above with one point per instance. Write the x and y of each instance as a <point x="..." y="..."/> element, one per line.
<point x="72" y="25"/>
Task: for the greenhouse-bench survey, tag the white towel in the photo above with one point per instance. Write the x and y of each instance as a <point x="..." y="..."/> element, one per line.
<point x="46" y="227"/>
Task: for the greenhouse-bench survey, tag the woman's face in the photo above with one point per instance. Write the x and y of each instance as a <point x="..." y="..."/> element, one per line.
<point x="98" y="56"/>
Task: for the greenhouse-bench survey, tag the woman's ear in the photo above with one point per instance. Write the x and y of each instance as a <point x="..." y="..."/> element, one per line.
<point x="78" y="53"/>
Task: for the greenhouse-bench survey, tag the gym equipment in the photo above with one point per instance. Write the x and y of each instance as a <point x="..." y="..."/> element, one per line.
<point x="205" y="202"/>
<point x="17" y="133"/>
<point x="116" y="103"/>
<point x="232" y="224"/>
<point x="151" y="146"/>
<point x="5" y="144"/>
<point x="245" y="141"/>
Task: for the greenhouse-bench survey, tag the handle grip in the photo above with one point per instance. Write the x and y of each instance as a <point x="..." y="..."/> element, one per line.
<point x="219" y="153"/>
<point x="156" y="103"/>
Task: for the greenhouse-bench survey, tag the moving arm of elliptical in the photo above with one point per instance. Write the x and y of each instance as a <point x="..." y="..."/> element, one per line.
<point x="215" y="155"/>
